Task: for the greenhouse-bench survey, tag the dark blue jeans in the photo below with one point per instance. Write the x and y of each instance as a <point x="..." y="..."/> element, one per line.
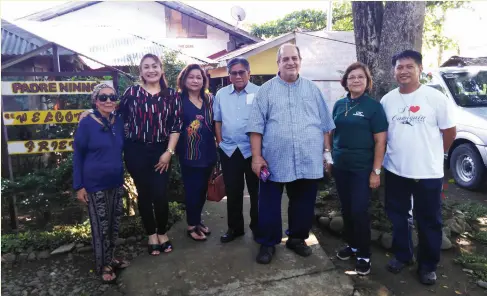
<point x="354" y="193"/>
<point x="302" y="197"/>
<point x="427" y="212"/>
<point x="195" y="180"/>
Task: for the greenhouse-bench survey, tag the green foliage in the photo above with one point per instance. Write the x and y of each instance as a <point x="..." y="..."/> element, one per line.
<point x="475" y="262"/>
<point x="49" y="188"/>
<point x="480" y="236"/>
<point x="81" y="233"/>
<point x="342" y="16"/>
<point x="308" y="20"/>
<point x="172" y="67"/>
<point x="45" y="240"/>
<point x="472" y="210"/>
<point x="42" y="189"/>
<point x="175" y="186"/>
<point x="433" y="34"/>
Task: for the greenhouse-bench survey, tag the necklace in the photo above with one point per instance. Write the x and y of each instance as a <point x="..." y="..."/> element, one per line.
<point x="346" y="107"/>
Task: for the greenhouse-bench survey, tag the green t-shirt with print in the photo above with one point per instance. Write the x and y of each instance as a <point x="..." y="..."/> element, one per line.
<point x="353" y="138"/>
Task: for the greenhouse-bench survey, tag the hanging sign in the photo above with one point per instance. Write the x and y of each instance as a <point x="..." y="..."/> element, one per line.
<point x="41" y="117"/>
<point x="40" y="146"/>
<point x="17" y="88"/>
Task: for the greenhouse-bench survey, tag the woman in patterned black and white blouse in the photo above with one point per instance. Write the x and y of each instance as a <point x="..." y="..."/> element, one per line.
<point x="151" y="114"/>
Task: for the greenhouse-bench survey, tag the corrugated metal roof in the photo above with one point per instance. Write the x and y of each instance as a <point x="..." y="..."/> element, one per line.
<point x="16" y="41"/>
<point x="107" y="45"/>
<point x="58" y="10"/>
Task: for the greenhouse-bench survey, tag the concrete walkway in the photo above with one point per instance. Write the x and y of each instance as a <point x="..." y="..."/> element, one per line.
<point x="213" y="268"/>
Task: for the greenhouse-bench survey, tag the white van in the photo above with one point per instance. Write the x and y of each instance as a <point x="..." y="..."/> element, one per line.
<point x="467" y="87"/>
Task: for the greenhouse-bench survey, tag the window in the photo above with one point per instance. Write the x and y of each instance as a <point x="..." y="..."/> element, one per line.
<point x="179" y="25"/>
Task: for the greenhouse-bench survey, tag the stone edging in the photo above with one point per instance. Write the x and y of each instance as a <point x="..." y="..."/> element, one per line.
<point x="456" y="225"/>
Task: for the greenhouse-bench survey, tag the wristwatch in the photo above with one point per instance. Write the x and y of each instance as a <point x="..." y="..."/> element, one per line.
<point x="377" y="172"/>
<point x="170" y="151"/>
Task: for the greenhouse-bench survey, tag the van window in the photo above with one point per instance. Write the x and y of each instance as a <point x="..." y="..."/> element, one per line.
<point x="468" y="88"/>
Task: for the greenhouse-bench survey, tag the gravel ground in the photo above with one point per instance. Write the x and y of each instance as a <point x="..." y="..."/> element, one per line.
<point x="66" y="274"/>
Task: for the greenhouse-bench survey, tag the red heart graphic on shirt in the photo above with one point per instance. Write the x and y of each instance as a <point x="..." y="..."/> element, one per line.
<point x="414" y="109"/>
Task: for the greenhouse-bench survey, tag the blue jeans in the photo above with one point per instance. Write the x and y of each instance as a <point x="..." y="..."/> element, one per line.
<point x="354" y="193"/>
<point x="427" y="212"/>
<point x="302" y="197"/>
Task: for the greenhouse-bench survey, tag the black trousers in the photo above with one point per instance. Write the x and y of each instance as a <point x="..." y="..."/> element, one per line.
<point x="354" y="193"/>
<point x="140" y="159"/>
<point x="234" y="169"/>
<point x="427" y="212"/>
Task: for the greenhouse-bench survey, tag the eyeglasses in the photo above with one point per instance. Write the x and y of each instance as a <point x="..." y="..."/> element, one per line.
<point x="352" y="78"/>
<point x="104" y="98"/>
<point x="239" y="73"/>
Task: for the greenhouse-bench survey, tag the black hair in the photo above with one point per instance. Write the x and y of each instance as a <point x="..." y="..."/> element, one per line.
<point x="408" y="54"/>
<point x="236" y="61"/>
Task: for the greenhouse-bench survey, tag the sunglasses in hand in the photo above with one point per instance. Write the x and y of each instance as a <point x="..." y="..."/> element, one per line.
<point x="104" y="98"/>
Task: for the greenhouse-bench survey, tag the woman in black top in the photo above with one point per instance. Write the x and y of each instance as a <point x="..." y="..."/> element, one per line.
<point x="152" y="115"/>
<point x="196" y="146"/>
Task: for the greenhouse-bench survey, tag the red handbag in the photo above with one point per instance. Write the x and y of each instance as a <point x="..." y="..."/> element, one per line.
<point x="216" y="186"/>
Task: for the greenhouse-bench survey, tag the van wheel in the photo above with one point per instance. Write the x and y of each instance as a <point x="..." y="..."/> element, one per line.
<point x="467" y="167"/>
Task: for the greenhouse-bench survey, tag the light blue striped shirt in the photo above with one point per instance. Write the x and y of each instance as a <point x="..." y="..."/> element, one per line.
<point x="232" y="108"/>
<point x="292" y="117"/>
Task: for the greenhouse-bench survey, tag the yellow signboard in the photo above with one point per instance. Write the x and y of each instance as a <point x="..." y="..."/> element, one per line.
<point x="40" y="146"/>
<point x="41" y="117"/>
<point x="13" y="88"/>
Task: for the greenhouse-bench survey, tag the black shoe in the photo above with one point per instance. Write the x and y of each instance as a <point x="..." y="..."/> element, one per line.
<point x="395" y="266"/>
<point x="299" y="247"/>
<point x="362" y="267"/>
<point x="345" y="253"/>
<point x="265" y="254"/>
<point x="230" y="236"/>
<point x="427" y="277"/>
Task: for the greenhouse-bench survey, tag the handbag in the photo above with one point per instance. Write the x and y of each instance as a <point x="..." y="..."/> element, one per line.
<point x="216" y="185"/>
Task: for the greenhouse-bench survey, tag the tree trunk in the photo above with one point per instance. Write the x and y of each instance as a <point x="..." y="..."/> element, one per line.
<point x="367" y="25"/>
<point x="440" y="55"/>
<point x="381" y="32"/>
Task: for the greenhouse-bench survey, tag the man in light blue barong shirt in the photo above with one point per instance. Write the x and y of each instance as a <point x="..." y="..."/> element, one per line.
<point x="289" y="127"/>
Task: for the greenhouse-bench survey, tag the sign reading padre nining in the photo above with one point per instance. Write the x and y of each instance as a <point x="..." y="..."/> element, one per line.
<point x="50" y="117"/>
<point x="15" y="88"/>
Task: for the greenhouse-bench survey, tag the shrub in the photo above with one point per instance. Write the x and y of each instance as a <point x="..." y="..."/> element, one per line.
<point x="81" y="233"/>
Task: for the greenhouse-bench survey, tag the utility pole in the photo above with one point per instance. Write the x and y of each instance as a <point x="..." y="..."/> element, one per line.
<point x="329" y="17"/>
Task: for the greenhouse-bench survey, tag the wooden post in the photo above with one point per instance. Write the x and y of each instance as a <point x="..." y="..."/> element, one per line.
<point x="55" y="58"/>
<point x="12" y="203"/>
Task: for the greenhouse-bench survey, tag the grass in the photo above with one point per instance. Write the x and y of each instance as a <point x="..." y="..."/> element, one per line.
<point x="472" y="210"/>
<point x="480" y="236"/>
<point x="378" y="216"/>
<point x="468" y="260"/>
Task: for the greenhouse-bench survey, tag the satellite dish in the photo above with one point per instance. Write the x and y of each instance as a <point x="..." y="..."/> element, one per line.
<point x="238" y="13"/>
